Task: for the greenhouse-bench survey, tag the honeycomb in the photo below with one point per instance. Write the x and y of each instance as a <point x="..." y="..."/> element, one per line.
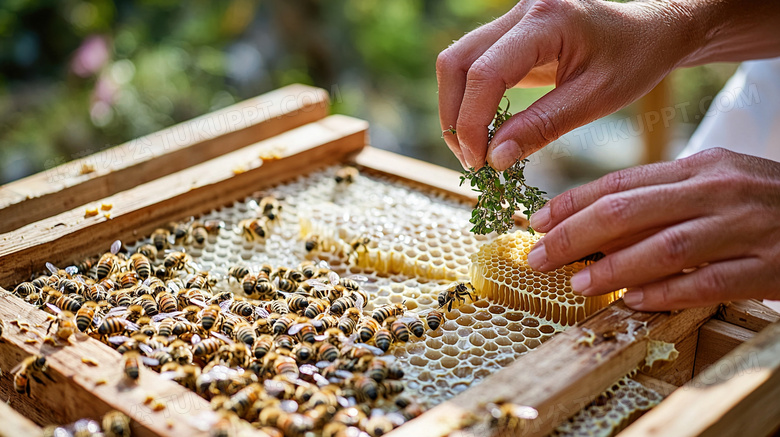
<point x="418" y="244"/>
<point x="612" y="411"/>
<point x="659" y="355"/>
<point x="499" y="271"/>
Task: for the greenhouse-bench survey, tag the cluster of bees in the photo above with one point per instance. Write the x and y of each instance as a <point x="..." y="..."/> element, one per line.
<point x="298" y="354"/>
<point x="113" y="424"/>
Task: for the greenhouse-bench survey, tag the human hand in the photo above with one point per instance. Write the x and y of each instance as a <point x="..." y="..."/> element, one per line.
<point x="716" y="212"/>
<point x="600" y="55"/>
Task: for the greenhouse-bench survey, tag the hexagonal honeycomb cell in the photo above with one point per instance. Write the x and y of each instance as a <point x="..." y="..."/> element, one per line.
<point x="611" y="412"/>
<point x="500" y="272"/>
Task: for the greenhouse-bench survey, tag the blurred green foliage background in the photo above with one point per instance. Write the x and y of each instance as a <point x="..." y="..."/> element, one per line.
<point x="78" y="76"/>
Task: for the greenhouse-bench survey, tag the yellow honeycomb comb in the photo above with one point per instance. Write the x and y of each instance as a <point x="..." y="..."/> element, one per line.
<point x="499" y="271"/>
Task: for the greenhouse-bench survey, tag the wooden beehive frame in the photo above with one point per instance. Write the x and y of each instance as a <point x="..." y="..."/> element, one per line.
<point x="296" y="137"/>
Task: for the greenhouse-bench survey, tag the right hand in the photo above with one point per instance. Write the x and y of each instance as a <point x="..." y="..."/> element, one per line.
<point x="600" y="55"/>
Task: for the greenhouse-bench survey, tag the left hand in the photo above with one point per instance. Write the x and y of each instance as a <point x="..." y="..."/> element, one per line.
<point x="715" y="215"/>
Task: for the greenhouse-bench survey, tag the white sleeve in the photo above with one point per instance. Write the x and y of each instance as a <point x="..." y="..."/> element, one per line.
<point x="745" y="115"/>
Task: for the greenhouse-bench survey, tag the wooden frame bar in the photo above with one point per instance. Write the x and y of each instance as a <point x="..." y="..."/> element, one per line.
<point x="15" y="425"/>
<point x="147" y="158"/>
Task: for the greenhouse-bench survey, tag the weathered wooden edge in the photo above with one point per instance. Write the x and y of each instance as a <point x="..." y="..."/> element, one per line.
<point x="749" y="314"/>
<point x="658" y="385"/>
<point x="161" y="153"/>
<point x="562" y="376"/>
<point x="136" y="212"/>
<point x="420" y="173"/>
<point x="716" y="339"/>
<point x="14" y="424"/>
<point x="75" y="392"/>
<point x="738" y="395"/>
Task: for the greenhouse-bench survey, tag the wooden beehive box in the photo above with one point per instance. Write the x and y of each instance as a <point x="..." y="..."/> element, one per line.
<point x="728" y="355"/>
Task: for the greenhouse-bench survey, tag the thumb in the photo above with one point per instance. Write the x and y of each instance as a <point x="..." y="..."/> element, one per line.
<point x="567" y="107"/>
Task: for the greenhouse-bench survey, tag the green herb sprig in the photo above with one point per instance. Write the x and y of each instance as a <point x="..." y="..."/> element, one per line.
<point x="497" y="202"/>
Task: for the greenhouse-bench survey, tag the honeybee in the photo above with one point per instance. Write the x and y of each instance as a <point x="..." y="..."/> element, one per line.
<point x="207" y="347"/>
<point x="141" y="264"/>
<point x="270" y="207"/>
<point x="240" y="402"/>
<point x="114" y="325"/>
<point x="210" y="317"/>
<point x="109" y="261"/>
<point x="254" y="229"/>
<point x="239" y="272"/>
<point x="264" y="288"/>
<point x="128" y="279"/>
<point x="176" y="260"/>
<point x="201" y="280"/>
<point x="148" y="250"/>
<point x="132" y="361"/>
<point x="24" y="289"/>
<point x="459" y="291"/>
<point x="30" y="367"/>
<point x="262" y="346"/>
<point x="241" y="308"/>
<point x="186" y="375"/>
<point x="303" y="352"/>
<point x="161" y="238"/>
<point x="327" y="352"/>
<point x="434" y="319"/>
<point x="389" y="310"/>
<point x="180" y="231"/>
<point x="414" y="324"/>
<point x="357" y="247"/>
<point x="116" y="424"/>
<point x="400" y="330"/>
<point x="147" y="302"/>
<point x="346" y="175"/>
<point x="380" y="424"/>
<point x="506" y="415"/>
<point x="283" y="324"/>
<point x="305" y="331"/>
<point x="365" y="387"/>
<point x="95" y="292"/>
<point x="315" y="307"/>
<point x="367" y="329"/>
<point x="65" y="321"/>
<point x="284" y="341"/>
<point x="340" y="305"/>
<point x="279" y="307"/>
<point x="284" y="365"/>
<point x="383" y="338"/>
<point x="312" y="243"/>
<point x="349" y="320"/>
<point x="297" y="303"/>
<point x="68" y="303"/>
<point x="245" y="333"/>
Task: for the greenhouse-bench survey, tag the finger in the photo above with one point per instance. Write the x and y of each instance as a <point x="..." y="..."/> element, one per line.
<point x="572" y="201"/>
<point x="668" y="252"/>
<point x="719" y="282"/>
<point x="502" y="66"/>
<point x="615" y="216"/>
<point x="541" y="75"/>
<point x="453" y="63"/>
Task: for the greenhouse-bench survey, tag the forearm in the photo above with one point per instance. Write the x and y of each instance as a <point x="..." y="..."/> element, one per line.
<point x="728" y="30"/>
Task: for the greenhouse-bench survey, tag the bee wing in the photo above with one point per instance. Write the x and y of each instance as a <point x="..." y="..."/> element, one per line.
<point x="150" y="361"/>
<point x="162" y="316"/>
<point x="195" y="339"/>
<point x="408" y="319"/>
<point x="317" y="284"/>
<point x="118" y="339"/>
<point x="19" y="366"/>
<point x="333" y="278"/>
<point x="343" y="374"/>
<point x="72" y="270"/>
<point x="130" y="326"/>
<point x="52" y="268"/>
<point x="225" y="305"/>
<point x="373" y="349"/>
<point x="252" y="204"/>
<point x="296" y="328"/>
<point x="359" y="302"/>
<point x="54" y="308"/>
<point x="145" y="348"/>
<point x="395" y="418"/>
<point x="115" y="312"/>
<point x="199" y="303"/>
<point x="321" y="337"/>
<point x="523" y="411"/>
<point x="289" y="406"/>
<point x="115" y="246"/>
<point x="261" y="312"/>
<point x="222" y="337"/>
<point x="170" y="374"/>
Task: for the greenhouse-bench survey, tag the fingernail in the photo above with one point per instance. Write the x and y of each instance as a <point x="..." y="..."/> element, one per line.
<point x="634" y="297"/>
<point x="581" y="281"/>
<point x="504" y="155"/>
<point x="538" y="257"/>
<point x="540" y="219"/>
<point x="470" y="161"/>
